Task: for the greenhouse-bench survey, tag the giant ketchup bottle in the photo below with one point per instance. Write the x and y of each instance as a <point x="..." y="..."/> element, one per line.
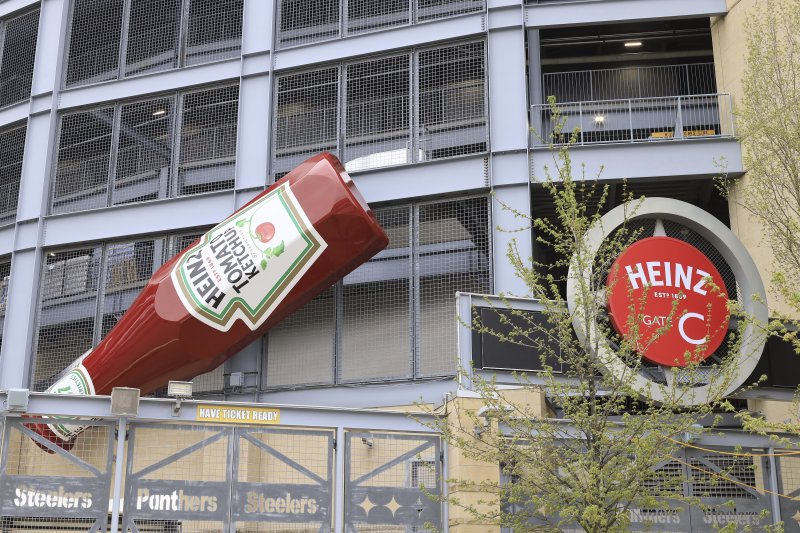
<point x="229" y="287"/>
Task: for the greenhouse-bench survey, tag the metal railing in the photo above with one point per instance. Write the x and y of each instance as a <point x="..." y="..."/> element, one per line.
<point x="633" y="120"/>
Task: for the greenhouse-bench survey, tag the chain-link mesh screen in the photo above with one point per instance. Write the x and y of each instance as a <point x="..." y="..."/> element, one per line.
<point x="5" y="282"/>
<point x="722" y="476"/>
<point x="304" y="22"/>
<point x="377" y="297"/>
<point x="78" y="306"/>
<point x="93" y="55"/>
<point x="371" y="101"/>
<point x="19" y="51"/>
<point x="452" y="101"/>
<point x="159" y="35"/>
<point x="453" y="255"/>
<point x="214" y="30"/>
<point x="140" y="137"/>
<point x="81" y="171"/>
<point x="144" y="151"/>
<point x="408" y="296"/>
<point x="12" y="148"/>
<point x="378" y="127"/>
<point x="208" y="140"/>
<point x="306" y="117"/>
<point x="788" y="474"/>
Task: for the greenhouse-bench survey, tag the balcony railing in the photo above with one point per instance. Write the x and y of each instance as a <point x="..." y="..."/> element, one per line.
<point x="633" y="120"/>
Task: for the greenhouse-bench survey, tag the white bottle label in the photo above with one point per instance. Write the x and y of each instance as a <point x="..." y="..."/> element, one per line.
<point x="75" y="381"/>
<point x="245" y="266"/>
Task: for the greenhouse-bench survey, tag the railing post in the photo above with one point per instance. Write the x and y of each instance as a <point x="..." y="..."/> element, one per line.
<point x="679" y="121"/>
<point x="118" y="464"/>
<point x="773" y="481"/>
<point x="580" y="118"/>
<point x="630" y="117"/>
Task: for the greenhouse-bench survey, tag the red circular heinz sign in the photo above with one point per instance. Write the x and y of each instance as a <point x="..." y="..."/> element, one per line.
<point x="647" y="279"/>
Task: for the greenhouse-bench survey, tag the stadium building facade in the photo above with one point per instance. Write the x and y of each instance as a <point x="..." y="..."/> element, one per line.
<point x="129" y="127"/>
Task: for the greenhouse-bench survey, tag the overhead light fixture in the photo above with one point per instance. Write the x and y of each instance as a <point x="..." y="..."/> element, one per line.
<point x="159" y="112"/>
<point x="633" y="44"/>
<point x="599" y="119"/>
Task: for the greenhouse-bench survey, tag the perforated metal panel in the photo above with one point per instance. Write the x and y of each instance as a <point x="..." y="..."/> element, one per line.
<point x="135" y="147"/>
<point x="19" y="51"/>
<point x="157" y="35"/>
<point x="378" y="112"/>
<point x="12" y="148"/>
<point x="5" y="282"/>
<point x="393" y="317"/>
<point x="84" y="292"/>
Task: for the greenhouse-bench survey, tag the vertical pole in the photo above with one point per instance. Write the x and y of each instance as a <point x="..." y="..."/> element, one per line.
<point x="118" y="463"/>
<point x="630" y="118"/>
<point x="773" y="482"/>
<point x="338" y="501"/>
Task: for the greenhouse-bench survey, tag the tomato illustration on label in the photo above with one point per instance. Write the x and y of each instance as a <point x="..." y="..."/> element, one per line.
<point x="265" y="231"/>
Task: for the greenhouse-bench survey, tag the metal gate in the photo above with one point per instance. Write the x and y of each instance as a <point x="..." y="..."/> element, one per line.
<point x="59" y="489"/>
<point x="392" y="482"/>
<point x="223" y="478"/>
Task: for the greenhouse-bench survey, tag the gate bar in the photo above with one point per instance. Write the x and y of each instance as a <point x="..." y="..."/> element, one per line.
<point x="121" y="430"/>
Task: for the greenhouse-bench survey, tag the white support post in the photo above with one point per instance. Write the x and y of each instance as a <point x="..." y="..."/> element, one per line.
<point x="118" y="464"/>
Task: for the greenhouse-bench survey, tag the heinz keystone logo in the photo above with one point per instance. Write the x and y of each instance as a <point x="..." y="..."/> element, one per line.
<point x="245" y="266"/>
<point x="675" y="297"/>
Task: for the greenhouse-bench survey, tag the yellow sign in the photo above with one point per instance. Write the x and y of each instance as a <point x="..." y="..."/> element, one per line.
<point x="238" y="415"/>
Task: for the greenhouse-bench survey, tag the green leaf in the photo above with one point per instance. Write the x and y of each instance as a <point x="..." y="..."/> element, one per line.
<point x="279" y="249"/>
<point x="241" y="222"/>
<point x="263" y="264"/>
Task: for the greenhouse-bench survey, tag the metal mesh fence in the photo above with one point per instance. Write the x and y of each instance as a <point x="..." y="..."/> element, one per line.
<point x="373" y="103"/>
<point x="12" y="148"/>
<point x="84" y="292"/>
<point x="303" y="22"/>
<point x="406" y="292"/>
<point x="131" y="145"/>
<point x="5" y="281"/>
<point x="19" y="51"/>
<point x="157" y="35"/>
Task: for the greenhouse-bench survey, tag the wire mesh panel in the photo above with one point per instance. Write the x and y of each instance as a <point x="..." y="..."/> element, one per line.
<point x="283" y="480"/>
<point x="144" y="151"/>
<point x="12" y="148"/>
<point x="377" y="113"/>
<point x="208" y="140"/>
<point x="391" y="482"/>
<point x="434" y="9"/>
<point x="93" y="55"/>
<point x="158" y="35"/>
<point x="306" y="117"/>
<point x="370" y="15"/>
<point x="304" y="21"/>
<point x="66" y="313"/>
<point x="19" y="51"/>
<point x="214" y="30"/>
<point x="140" y="137"/>
<point x="377" y="298"/>
<point x="5" y="282"/>
<point x="300" y="349"/>
<point x="153" y="27"/>
<point x="452" y="101"/>
<point x="178" y="477"/>
<point x="452" y="255"/>
<point x="82" y="168"/>
<point x="46" y="488"/>
<point x="788" y="473"/>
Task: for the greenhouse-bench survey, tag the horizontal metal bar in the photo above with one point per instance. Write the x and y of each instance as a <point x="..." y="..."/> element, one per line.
<point x="160" y="409"/>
